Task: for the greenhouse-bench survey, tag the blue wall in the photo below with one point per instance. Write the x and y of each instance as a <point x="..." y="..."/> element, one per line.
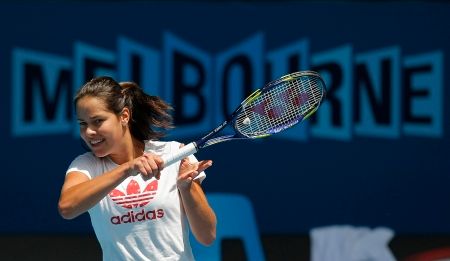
<point x="375" y="154"/>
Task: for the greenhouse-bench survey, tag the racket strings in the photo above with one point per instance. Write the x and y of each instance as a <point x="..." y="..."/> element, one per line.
<point x="280" y="106"/>
<point x="299" y="91"/>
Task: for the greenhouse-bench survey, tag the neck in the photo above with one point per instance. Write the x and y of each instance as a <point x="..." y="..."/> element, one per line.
<point x="138" y="148"/>
<point x="128" y="151"/>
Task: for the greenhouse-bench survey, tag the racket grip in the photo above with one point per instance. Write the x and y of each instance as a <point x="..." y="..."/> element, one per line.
<point x="184" y="151"/>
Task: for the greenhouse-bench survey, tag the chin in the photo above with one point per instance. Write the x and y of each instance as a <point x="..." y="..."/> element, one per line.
<point x="100" y="155"/>
<point x="99" y="152"/>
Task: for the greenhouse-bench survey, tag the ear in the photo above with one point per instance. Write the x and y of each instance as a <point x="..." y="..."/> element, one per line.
<point x="125" y="116"/>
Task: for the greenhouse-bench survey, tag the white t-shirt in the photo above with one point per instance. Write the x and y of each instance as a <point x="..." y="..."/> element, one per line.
<point x="140" y="220"/>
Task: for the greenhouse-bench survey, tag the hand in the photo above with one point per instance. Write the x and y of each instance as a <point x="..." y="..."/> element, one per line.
<point x="188" y="171"/>
<point x="149" y="165"/>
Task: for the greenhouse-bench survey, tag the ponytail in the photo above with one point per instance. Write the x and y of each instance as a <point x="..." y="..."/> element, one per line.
<point x="149" y="113"/>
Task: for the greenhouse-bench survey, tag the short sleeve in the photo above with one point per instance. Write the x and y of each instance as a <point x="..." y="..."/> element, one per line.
<point x="85" y="164"/>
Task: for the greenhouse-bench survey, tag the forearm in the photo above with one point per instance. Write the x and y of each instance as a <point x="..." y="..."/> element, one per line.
<point x="79" y="198"/>
<point x="201" y="217"/>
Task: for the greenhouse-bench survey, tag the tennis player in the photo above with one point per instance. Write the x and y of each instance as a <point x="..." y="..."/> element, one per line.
<point x="139" y="209"/>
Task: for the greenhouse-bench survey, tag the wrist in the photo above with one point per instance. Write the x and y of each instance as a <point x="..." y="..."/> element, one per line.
<point x="184" y="188"/>
<point x="128" y="170"/>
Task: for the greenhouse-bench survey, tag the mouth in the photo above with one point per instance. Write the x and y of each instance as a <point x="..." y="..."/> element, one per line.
<point x="96" y="142"/>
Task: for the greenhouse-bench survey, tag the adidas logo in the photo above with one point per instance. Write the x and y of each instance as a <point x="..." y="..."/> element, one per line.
<point x="133" y="197"/>
<point x="140" y="216"/>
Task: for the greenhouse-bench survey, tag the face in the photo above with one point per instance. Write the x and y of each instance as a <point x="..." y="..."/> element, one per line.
<point x="101" y="129"/>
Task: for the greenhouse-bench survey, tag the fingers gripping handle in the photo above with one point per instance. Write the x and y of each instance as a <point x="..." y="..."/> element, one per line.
<point x="184" y="151"/>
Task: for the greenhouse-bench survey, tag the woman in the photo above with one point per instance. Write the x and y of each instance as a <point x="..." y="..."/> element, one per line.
<point x="139" y="210"/>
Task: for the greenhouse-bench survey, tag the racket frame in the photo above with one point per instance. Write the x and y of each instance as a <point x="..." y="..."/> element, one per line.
<point x="209" y="139"/>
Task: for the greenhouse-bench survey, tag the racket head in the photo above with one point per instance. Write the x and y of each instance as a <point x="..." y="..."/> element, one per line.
<point x="280" y="104"/>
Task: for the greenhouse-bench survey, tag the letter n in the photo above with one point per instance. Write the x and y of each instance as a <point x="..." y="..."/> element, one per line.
<point x="377" y="93"/>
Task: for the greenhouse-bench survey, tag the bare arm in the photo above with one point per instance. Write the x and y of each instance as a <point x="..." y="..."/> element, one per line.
<point x="202" y="219"/>
<point x="79" y="193"/>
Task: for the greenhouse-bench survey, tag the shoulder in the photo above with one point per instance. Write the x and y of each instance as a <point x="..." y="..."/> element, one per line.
<point x="85" y="163"/>
<point x="86" y="157"/>
<point x="161" y="147"/>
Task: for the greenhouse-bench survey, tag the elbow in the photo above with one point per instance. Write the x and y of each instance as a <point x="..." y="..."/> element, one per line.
<point x="66" y="210"/>
<point x="210" y="237"/>
<point x="208" y="240"/>
<point x="205" y="236"/>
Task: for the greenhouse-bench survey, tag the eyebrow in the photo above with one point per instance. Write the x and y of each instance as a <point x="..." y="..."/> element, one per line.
<point x="91" y="118"/>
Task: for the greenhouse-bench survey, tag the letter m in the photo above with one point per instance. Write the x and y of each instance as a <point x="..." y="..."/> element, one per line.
<point x="42" y="94"/>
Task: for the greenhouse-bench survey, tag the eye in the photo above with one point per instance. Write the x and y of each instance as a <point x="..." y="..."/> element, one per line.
<point x="98" y="121"/>
<point x="82" y="124"/>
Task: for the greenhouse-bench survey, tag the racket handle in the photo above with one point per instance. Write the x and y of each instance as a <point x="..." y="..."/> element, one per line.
<point x="184" y="151"/>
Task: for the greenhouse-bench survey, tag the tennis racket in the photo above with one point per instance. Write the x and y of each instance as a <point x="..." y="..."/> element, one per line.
<point x="277" y="106"/>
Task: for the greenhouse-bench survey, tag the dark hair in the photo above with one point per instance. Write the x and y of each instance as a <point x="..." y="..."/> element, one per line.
<point x="147" y="112"/>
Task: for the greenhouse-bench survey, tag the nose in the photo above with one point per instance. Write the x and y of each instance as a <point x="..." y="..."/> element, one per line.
<point x="90" y="131"/>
